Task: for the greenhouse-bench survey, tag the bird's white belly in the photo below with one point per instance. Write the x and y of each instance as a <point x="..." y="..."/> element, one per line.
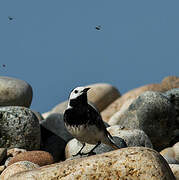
<point x="89" y="134"/>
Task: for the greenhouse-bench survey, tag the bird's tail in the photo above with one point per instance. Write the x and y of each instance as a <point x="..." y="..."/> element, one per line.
<point x="110" y="141"/>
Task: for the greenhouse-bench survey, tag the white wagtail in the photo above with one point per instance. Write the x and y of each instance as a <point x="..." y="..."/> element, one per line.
<point x="84" y="122"/>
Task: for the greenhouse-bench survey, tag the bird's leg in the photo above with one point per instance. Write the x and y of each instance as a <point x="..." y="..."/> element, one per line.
<point x="79" y="152"/>
<point x="91" y="152"/>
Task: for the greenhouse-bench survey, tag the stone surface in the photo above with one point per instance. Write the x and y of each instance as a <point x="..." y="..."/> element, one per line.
<point x="53" y="144"/>
<point x="73" y="146"/>
<point x="175" y="170"/>
<point x="133" y="163"/>
<point x="173" y="96"/>
<point x="19" y="128"/>
<point x="41" y="158"/>
<point x="54" y="122"/>
<point x="15" y="151"/>
<point x="154" y="114"/>
<point x="15" y="92"/>
<point x="176" y="150"/>
<point x="169" y="155"/>
<point x="16" y="168"/>
<point x="132" y="137"/>
<point x="166" y="84"/>
<point x="3" y="153"/>
<point x="100" y="95"/>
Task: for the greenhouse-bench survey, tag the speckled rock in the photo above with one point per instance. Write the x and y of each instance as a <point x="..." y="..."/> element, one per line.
<point x="19" y="127"/>
<point x="15" y="92"/>
<point x="41" y="158"/>
<point x="133" y="163"/>
<point x="16" y="168"/>
<point x="3" y="153"/>
<point x="54" y="122"/>
<point x="175" y="170"/>
<point x="73" y="146"/>
<point x="173" y="96"/>
<point x="132" y="137"/>
<point x="166" y="84"/>
<point x="100" y="95"/>
<point x="154" y="114"/>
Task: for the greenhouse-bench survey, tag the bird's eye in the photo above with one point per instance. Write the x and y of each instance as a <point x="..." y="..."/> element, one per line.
<point x="76" y="91"/>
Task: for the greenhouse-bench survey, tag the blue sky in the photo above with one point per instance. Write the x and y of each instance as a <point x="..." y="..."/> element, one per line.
<point x="54" y="46"/>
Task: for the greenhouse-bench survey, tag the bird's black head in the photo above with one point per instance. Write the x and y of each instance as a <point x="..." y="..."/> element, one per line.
<point x="78" y="96"/>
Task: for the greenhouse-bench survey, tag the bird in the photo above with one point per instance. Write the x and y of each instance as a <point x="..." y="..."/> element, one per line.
<point x="98" y="27"/>
<point x="85" y="123"/>
<point x="10" y="18"/>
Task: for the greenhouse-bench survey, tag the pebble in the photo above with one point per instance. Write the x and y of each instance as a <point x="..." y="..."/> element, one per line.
<point x="15" y="92"/>
<point x="19" y="127"/>
<point x="153" y="113"/>
<point x="41" y="158"/>
<point x="137" y="163"/>
<point x="16" y="168"/>
<point x="167" y="83"/>
<point x="132" y="137"/>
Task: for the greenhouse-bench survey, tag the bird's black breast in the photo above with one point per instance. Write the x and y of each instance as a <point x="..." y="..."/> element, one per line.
<point x="74" y="117"/>
<point x="89" y="116"/>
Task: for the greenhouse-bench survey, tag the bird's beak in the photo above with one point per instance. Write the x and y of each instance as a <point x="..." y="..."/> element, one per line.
<point x="86" y="89"/>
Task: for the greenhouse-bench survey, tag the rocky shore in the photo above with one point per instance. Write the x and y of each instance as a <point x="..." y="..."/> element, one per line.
<point x="144" y="123"/>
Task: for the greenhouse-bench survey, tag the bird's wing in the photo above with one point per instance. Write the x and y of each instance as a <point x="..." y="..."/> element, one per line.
<point x="95" y="118"/>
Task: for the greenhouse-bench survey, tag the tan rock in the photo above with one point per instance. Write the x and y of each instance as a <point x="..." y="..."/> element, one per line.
<point x="175" y="170"/>
<point x="134" y="163"/>
<point x="41" y="158"/>
<point x="15" y="151"/>
<point x="15" y="92"/>
<point x="166" y="84"/>
<point x="176" y="150"/>
<point x="169" y="155"/>
<point x="17" y="167"/>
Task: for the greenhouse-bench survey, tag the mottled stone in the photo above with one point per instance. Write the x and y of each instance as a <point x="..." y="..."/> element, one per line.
<point x="132" y="137"/>
<point x="154" y="114"/>
<point x="132" y="163"/>
<point x="41" y="158"/>
<point x="3" y="153"/>
<point x="19" y="127"/>
<point x="15" y="92"/>
<point x="173" y="96"/>
<point x="166" y="84"/>
<point x="16" y="168"/>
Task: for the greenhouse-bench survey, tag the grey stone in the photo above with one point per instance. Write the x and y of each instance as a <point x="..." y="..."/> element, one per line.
<point x="173" y="96"/>
<point x="54" y="122"/>
<point x="153" y="113"/>
<point x="132" y="137"/>
<point x="15" y="92"/>
<point x="19" y="127"/>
